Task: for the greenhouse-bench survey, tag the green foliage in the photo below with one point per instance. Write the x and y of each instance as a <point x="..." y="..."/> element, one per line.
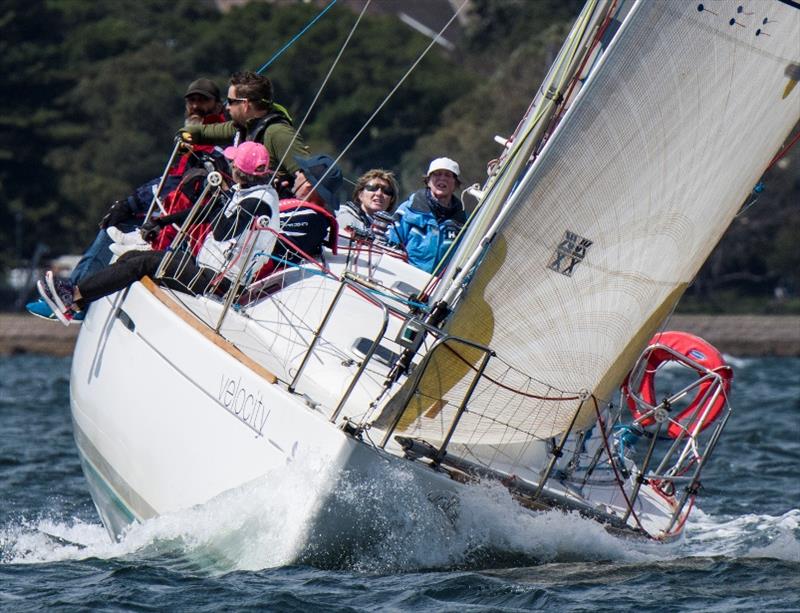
<point x="28" y="60"/>
<point x="93" y="96"/>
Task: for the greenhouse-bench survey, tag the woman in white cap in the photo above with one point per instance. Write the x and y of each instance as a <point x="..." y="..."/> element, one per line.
<point x="254" y="204"/>
<point x="429" y="221"/>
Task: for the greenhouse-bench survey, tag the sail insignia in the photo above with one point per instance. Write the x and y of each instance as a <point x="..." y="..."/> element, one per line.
<point x="570" y="252"/>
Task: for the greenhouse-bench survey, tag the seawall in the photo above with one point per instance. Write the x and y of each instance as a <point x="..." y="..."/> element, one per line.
<point x="739" y="335"/>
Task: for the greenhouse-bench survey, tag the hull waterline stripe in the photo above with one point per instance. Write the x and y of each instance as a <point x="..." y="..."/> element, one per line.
<point x="126" y="498"/>
<point x="220" y="342"/>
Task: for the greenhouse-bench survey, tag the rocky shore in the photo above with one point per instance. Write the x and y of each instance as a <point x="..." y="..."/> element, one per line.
<point x="739" y="335"/>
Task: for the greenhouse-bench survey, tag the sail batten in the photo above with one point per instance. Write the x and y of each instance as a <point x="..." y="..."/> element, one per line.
<point x="634" y="189"/>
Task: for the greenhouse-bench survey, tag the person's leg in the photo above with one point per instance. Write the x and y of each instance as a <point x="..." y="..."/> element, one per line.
<point x="130" y="267"/>
<point x="184" y="275"/>
<point x="97" y="256"/>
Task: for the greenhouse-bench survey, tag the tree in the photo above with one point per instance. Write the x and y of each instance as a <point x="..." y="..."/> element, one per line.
<point x="29" y="59"/>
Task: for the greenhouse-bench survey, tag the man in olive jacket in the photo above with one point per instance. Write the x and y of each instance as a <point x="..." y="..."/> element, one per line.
<point x="255" y="117"/>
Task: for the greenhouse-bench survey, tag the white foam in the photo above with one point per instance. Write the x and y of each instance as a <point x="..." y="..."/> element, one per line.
<point x="399" y="529"/>
<point x="749" y="535"/>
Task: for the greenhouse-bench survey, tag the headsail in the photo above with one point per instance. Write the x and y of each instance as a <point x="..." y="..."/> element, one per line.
<point x="646" y="171"/>
<point x="571" y="57"/>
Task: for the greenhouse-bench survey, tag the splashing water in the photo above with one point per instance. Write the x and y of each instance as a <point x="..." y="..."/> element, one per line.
<point x="399" y="530"/>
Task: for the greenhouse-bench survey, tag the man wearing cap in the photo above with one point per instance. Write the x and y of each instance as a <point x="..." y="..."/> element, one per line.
<point x="255" y="117"/>
<point x="202" y="101"/>
<point x="427" y="224"/>
<point x="202" y="106"/>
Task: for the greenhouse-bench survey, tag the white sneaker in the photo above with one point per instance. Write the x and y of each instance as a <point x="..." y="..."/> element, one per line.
<point x="118" y="248"/>
<point x="126" y="238"/>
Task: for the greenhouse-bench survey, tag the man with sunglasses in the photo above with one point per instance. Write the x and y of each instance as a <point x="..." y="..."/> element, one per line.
<point x="427" y="224"/>
<point x="256" y="117"/>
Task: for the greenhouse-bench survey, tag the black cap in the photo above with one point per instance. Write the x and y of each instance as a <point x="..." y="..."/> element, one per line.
<point x="204" y="87"/>
<point x="322" y="165"/>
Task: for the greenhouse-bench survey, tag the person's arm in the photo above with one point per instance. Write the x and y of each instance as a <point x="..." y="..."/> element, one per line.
<point x="278" y="139"/>
<point x="212" y="133"/>
<point x="397" y="232"/>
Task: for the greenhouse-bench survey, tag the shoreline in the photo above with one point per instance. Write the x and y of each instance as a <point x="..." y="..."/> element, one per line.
<point x="737" y="335"/>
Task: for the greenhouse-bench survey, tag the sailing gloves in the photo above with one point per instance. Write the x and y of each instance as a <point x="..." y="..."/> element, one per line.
<point x="119" y="212"/>
<point x="151" y="228"/>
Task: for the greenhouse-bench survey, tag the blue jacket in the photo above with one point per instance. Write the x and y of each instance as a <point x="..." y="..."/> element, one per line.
<point x="425" y="229"/>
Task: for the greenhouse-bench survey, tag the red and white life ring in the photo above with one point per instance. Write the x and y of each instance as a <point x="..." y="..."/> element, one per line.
<point x="700" y="356"/>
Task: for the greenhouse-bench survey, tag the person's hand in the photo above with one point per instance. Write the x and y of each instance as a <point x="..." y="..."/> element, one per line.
<point x="150" y="229"/>
<point x="118" y="213"/>
<point x="190" y="133"/>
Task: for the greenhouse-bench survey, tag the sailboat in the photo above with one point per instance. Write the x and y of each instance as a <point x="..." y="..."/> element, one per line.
<point x="651" y="127"/>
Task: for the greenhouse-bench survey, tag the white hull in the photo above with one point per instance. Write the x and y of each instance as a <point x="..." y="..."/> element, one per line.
<point x="160" y="429"/>
<point x="169" y="415"/>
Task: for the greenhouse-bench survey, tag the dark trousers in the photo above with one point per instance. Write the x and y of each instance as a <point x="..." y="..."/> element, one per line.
<point x="97" y="256"/>
<point x="181" y="274"/>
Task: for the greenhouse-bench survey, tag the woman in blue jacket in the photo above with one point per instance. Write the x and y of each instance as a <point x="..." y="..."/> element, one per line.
<point x="429" y="221"/>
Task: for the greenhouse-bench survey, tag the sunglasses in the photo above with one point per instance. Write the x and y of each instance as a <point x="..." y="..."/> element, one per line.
<point x="234" y="101"/>
<point x="372" y="187"/>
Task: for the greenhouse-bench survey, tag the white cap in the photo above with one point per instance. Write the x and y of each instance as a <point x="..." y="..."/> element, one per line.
<point x="444" y="164"/>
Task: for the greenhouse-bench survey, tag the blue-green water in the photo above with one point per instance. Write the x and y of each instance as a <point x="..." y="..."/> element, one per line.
<point x="741" y="551"/>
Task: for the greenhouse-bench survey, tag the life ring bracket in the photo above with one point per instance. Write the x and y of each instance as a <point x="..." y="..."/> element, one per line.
<point x="707" y="394"/>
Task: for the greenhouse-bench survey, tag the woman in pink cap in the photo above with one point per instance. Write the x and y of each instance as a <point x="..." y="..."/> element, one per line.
<point x="253" y="204"/>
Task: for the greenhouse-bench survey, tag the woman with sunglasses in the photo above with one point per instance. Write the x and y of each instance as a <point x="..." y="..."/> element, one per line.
<point x="375" y="192"/>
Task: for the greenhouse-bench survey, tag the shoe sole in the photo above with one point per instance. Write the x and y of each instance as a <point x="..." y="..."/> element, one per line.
<point x="45" y="294"/>
<point x="51" y="317"/>
<point x="51" y="285"/>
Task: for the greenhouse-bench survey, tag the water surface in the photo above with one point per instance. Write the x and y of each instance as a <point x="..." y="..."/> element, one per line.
<point x="741" y="551"/>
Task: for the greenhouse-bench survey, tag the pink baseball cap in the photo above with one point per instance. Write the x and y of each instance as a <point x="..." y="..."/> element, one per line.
<point x="249" y="157"/>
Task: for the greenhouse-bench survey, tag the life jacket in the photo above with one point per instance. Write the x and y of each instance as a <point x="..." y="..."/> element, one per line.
<point x="255" y="131"/>
<point x="246" y="227"/>
<point x="308" y="226"/>
<point x="185" y="194"/>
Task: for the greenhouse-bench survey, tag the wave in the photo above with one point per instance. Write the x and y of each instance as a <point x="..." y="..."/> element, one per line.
<point x="397" y="530"/>
<point x="745" y="536"/>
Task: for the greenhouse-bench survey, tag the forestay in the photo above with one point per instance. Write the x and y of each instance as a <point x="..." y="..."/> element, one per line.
<point x="646" y="171"/>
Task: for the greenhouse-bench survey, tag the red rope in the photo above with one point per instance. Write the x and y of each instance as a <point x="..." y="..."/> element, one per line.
<point x="784" y="151"/>
<point x="507" y="387"/>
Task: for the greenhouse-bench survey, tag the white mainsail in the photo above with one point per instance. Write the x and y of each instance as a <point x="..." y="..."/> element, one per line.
<point x="646" y="171"/>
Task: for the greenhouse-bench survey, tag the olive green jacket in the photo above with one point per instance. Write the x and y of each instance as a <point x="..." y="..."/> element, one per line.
<point x="278" y="137"/>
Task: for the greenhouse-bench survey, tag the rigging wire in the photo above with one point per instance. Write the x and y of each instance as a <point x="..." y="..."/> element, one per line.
<point x="396" y="87"/>
<point x="296" y="37"/>
<point x="319" y="93"/>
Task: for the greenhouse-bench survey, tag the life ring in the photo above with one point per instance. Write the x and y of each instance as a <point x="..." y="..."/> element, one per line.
<point x="698" y="355"/>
